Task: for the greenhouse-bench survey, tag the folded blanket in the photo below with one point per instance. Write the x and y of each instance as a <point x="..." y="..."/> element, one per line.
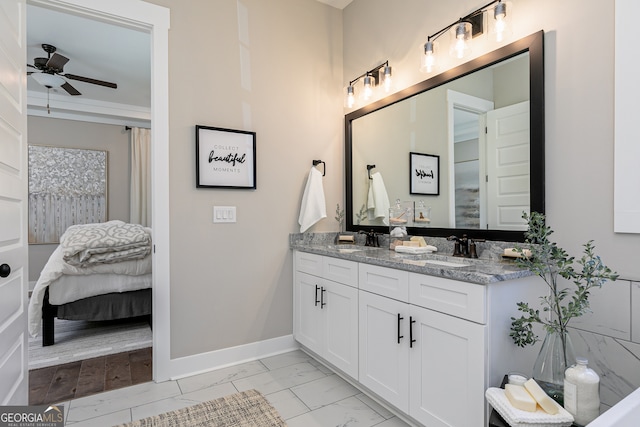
<point x="109" y="242"/>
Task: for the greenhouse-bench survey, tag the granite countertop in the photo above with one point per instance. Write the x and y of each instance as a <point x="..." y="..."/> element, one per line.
<point x="486" y="269"/>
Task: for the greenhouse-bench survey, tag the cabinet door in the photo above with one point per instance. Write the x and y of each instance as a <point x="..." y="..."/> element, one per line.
<point x="340" y="312"/>
<point x="384" y="363"/>
<point x="447" y="370"/>
<point x="307" y="316"/>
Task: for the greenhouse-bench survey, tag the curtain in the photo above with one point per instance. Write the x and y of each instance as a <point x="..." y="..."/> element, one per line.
<point x="140" y="198"/>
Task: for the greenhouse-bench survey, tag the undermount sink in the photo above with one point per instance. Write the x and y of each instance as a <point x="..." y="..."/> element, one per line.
<point x="445" y="263"/>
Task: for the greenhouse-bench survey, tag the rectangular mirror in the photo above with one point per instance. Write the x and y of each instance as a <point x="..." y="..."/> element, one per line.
<point x="483" y="121"/>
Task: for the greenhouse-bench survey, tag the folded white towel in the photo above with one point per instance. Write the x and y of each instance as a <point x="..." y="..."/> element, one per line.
<point x="378" y="200"/>
<point x="313" y="207"/>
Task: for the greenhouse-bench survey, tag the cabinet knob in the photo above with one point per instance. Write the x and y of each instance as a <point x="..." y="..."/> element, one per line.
<point x="5" y="270"/>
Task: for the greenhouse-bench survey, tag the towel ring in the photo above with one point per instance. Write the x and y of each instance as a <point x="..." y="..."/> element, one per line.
<point x="324" y="166"/>
<point x="369" y="167"/>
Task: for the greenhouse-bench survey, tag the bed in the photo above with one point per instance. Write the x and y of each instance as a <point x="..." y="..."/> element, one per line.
<point x="98" y="272"/>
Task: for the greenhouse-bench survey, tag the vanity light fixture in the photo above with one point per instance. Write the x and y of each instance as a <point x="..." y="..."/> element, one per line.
<point x="378" y="76"/>
<point x="464" y="29"/>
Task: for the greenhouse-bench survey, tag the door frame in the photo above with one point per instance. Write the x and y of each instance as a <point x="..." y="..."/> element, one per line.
<point x="155" y="20"/>
<point x="472" y="104"/>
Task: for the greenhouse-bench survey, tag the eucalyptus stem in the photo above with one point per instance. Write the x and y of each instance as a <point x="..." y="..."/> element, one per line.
<point x="552" y="264"/>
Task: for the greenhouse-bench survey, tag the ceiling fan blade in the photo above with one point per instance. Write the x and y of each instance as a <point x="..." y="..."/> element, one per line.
<point x="70" y="89"/>
<point x="92" y="81"/>
<point x="32" y="66"/>
<point x="56" y="62"/>
<point x="29" y="73"/>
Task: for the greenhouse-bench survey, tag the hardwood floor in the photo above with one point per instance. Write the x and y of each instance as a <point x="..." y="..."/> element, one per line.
<point x="56" y="384"/>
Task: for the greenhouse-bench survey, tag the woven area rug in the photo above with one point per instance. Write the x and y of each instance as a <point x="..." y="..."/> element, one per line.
<point x="245" y="409"/>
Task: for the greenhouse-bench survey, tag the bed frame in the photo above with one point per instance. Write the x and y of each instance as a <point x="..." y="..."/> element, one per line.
<point x="112" y="306"/>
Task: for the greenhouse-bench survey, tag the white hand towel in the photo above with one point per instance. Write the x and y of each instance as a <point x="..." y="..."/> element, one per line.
<point x="378" y="200"/>
<point x="313" y="207"/>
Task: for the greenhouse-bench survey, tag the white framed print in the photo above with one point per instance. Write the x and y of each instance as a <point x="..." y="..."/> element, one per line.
<point x="225" y="158"/>
<point x="424" y="174"/>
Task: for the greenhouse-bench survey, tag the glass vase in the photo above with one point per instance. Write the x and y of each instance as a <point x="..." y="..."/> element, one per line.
<point x="555" y="356"/>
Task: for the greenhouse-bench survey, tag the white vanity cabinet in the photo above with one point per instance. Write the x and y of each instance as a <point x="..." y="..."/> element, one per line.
<point x="326" y="311"/>
<point x="427" y="364"/>
<point x="427" y="345"/>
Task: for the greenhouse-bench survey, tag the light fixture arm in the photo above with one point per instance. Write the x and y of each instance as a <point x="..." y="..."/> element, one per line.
<point x="370" y="73"/>
<point x="467" y="18"/>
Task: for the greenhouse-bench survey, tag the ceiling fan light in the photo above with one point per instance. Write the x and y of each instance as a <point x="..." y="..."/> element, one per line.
<point x="48" y="80"/>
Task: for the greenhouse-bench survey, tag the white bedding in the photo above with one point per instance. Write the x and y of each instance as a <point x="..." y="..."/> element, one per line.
<point x="55" y="268"/>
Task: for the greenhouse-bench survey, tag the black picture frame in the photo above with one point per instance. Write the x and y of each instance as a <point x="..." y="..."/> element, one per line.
<point x="225" y="158"/>
<point x="424" y="174"/>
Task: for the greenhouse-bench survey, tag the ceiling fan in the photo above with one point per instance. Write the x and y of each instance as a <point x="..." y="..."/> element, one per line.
<point x="51" y="69"/>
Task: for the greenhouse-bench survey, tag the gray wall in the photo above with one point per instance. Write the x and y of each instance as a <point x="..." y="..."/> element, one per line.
<point x="75" y="134"/>
<point x="274" y="68"/>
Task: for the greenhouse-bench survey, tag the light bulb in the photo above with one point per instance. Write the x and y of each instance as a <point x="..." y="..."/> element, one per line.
<point x="500" y="25"/>
<point x="461" y="34"/>
<point x="386" y="78"/>
<point x="459" y="48"/>
<point x="367" y="91"/>
<point x="350" y="100"/>
<point x="428" y="60"/>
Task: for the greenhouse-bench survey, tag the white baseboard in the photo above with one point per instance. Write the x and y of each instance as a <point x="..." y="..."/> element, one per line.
<point x="205" y="362"/>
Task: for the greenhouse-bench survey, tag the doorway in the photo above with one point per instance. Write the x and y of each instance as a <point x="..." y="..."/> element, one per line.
<point x="155" y="20"/>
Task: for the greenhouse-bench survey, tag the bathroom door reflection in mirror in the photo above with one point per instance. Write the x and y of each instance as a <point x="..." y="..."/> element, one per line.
<point x="478" y="125"/>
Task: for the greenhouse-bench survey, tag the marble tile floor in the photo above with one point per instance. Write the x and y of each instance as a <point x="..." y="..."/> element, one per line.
<point x="303" y="391"/>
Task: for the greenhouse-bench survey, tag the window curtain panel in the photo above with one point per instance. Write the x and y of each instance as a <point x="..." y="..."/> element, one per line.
<point x="140" y="202"/>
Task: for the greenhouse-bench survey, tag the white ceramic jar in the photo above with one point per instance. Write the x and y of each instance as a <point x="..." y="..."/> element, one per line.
<point x="582" y="392"/>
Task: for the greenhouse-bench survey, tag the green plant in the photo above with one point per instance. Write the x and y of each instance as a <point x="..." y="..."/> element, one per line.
<point x="362" y="214"/>
<point x="553" y="263"/>
<point x="339" y="216"/>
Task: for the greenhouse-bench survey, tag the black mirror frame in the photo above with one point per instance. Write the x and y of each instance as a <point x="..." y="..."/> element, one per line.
<point x="534" y="44"/>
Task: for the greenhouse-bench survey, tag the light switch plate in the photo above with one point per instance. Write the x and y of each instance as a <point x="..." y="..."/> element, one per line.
<point x="224" y="214"/>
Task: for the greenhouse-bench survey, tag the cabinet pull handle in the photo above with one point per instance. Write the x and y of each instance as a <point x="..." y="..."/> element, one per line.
<point x="411" y="340"/>
<point x="399" y="336"/>
<point x="317" y="300"/>
<point x="322" y="291"/>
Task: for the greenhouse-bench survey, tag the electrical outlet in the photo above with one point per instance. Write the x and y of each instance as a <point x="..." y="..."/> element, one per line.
<point x="224" y="214"/>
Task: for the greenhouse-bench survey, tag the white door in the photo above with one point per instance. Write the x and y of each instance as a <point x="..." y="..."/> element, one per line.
<point x="508" y="171"/>
<point x="384" y="348"/>
<point x="340" y="312"/>
<point x="14" y="371"/>
<point x="447" y="370"/>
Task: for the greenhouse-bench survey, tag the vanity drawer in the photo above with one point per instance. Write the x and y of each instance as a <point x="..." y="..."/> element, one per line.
<point x="341" y="271"/>
<point x="460" y="299"/>
<point x="384" y="281"/>
<point x="308" y="263"/>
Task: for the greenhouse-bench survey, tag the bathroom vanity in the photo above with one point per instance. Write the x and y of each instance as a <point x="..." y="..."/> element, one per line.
<point x="425" y="335"/>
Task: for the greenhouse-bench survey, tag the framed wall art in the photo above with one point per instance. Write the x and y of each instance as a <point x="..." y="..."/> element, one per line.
<point x="424" y="174"/>
<point x="225" y="158"/>
<point x="67" y="186"/>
